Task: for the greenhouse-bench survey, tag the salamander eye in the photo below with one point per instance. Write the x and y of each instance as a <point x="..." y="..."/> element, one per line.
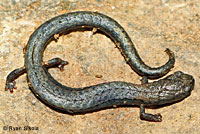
<point x="187" y="89"/>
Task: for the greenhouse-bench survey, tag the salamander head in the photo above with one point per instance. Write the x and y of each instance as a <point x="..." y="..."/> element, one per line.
<point x="176" y="87"/>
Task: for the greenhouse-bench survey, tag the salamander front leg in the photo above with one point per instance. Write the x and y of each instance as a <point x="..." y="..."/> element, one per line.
<point x="144" y="80"/>
<point x="149" y="117"/>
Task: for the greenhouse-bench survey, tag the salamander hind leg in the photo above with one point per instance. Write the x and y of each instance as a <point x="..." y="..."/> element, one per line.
<point x="12" y="76"/>
<point x="149" y="117"/>
<point x="56" y="62"/>
<point x="10" y="80"/>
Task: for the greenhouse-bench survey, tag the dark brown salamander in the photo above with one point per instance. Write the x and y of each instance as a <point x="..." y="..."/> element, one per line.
<point x="173" y="88"/>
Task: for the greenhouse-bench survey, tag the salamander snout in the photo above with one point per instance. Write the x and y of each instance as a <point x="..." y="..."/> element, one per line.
<point x="190" y="84"/>
<point x="182" y="82"/>
<point x="187" y="81"/>
<point x="179" y="86"/>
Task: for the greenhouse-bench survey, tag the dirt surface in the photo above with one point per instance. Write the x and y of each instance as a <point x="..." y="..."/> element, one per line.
<point x="153" y="26"/>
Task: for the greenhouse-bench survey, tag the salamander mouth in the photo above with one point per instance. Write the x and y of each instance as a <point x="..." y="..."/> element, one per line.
<point x="191" y="86"/>
<point x="187" y="89"/>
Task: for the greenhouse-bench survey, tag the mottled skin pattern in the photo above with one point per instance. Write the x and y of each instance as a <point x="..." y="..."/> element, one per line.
<point x="80" y="100"/>
<point x="168" y="90"/>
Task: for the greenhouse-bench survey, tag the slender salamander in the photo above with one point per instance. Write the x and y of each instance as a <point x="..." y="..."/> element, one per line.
<point x="171" y="89"/>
